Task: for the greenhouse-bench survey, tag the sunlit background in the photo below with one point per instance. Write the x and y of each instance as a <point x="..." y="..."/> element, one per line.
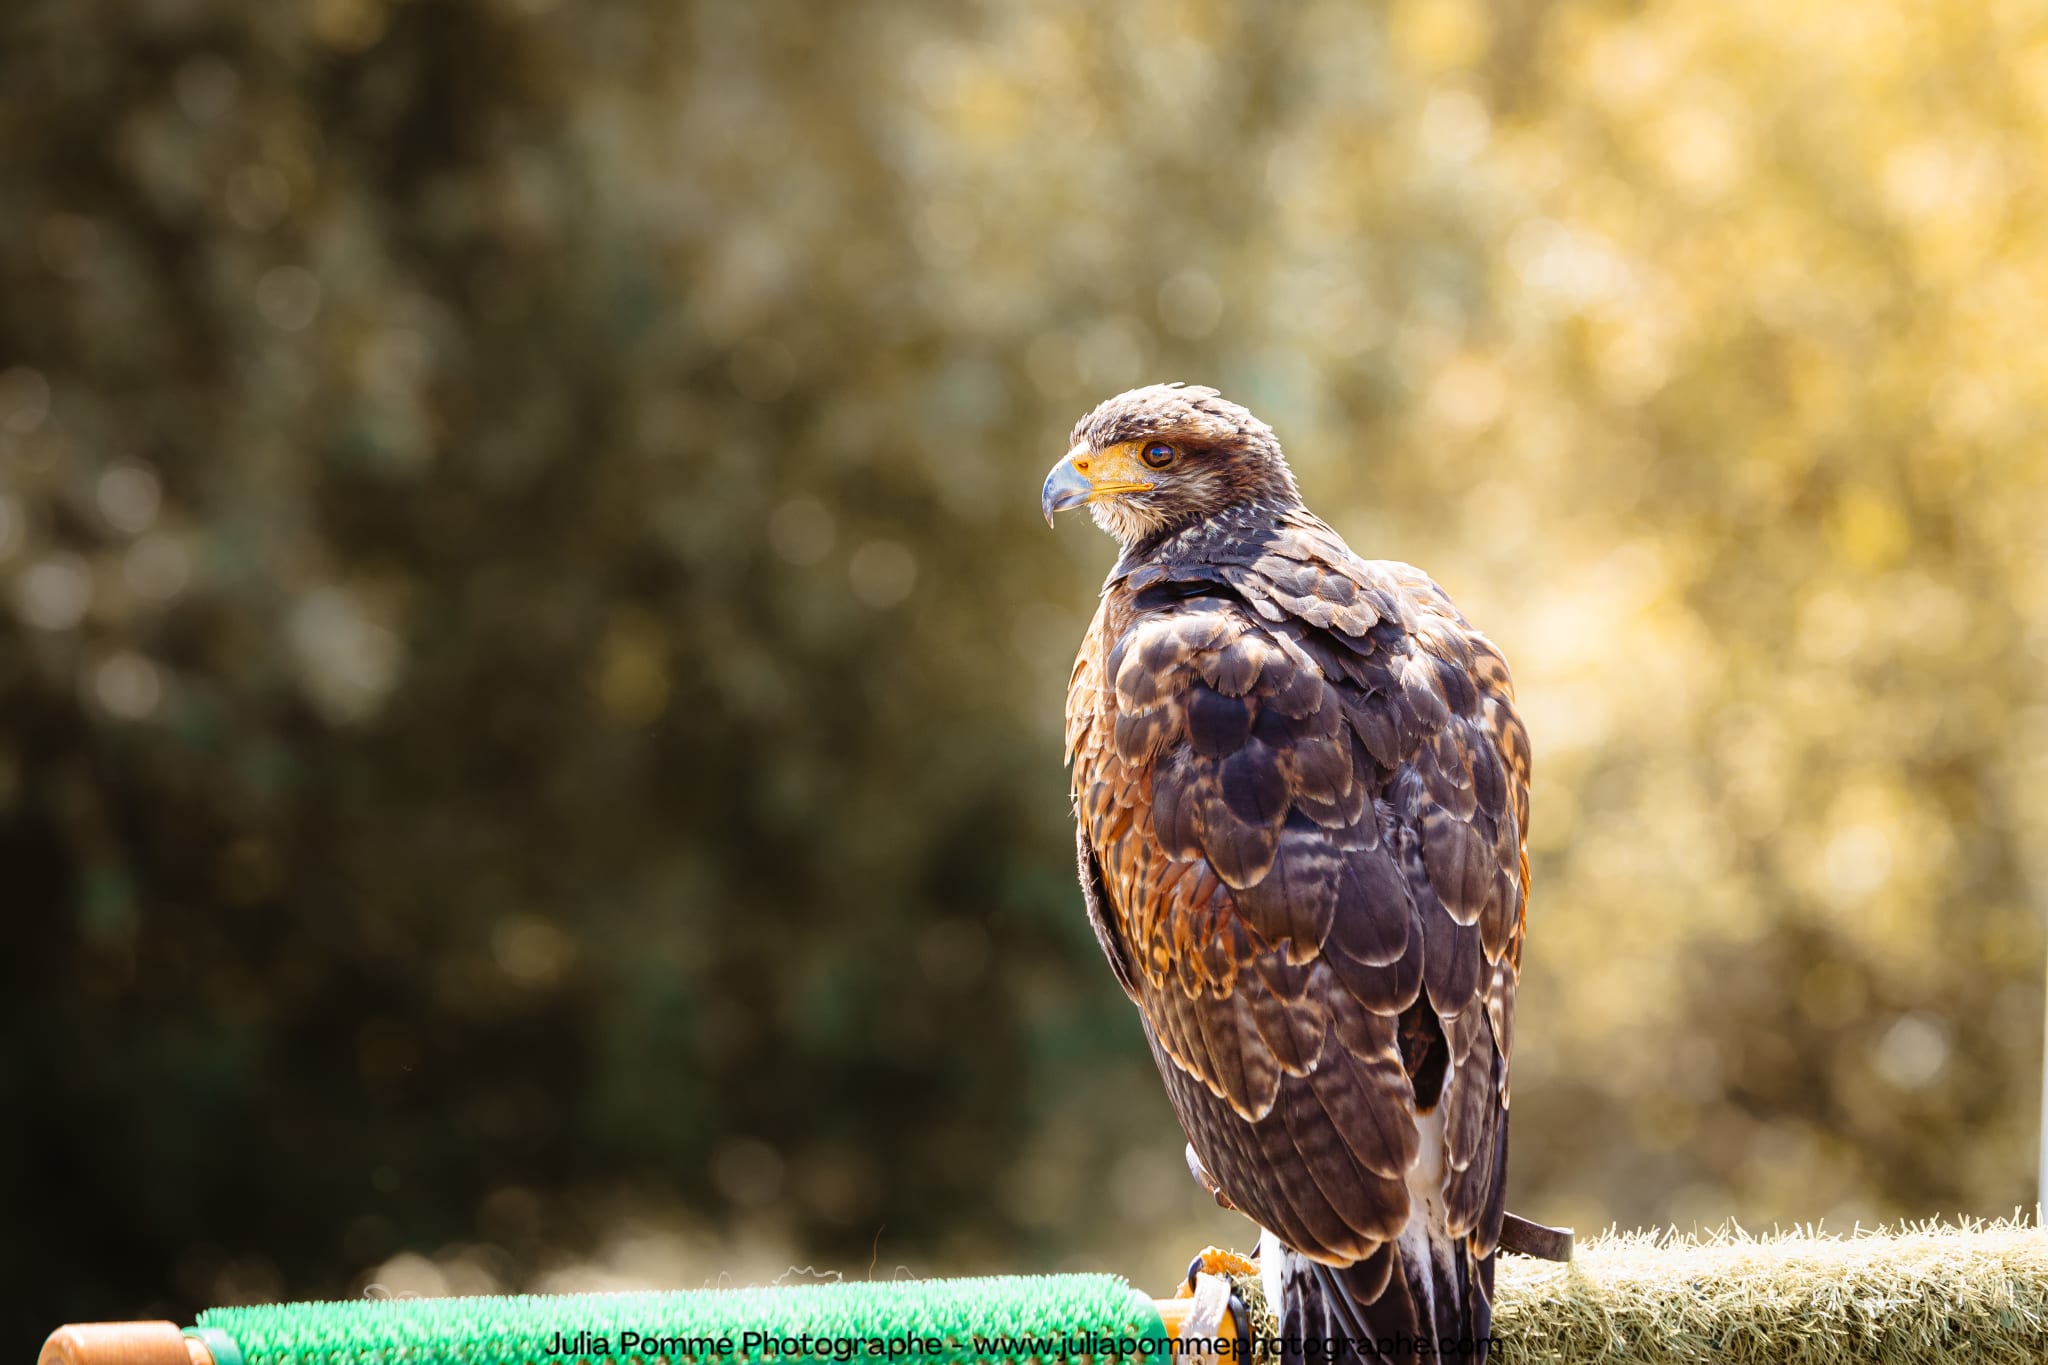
<point x="532" y="666"/>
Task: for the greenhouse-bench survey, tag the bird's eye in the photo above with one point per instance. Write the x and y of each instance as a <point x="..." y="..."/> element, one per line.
<point x="1158" y="455"/>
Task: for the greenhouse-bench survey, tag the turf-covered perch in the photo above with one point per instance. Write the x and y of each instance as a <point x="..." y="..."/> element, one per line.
<point x="954" y="1320"/>
<point x="1926" y="1293"/>
<point x="1916" y="1295"/>
<point x="883" y="1322"/>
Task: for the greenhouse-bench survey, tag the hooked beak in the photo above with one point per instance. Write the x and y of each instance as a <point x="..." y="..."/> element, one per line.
<point x="1065" y="487"/>
<point x="1085" y="475"/>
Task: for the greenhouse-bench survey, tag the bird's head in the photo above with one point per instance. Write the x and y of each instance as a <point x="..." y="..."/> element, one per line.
<point x="1157" y="458"/>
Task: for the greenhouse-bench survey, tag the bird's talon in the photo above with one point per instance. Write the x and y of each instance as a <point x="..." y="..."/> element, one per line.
<point x="1242" y="1317"/>
<point x="1216" y="1261"/>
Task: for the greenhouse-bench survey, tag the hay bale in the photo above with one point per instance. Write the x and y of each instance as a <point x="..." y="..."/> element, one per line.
<point x="1916" y="1294"/>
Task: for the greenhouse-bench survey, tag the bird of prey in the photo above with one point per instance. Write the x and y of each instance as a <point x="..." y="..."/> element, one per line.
<point x="1302" y="794"/>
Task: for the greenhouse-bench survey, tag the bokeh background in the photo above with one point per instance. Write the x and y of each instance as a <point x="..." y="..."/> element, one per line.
<point x="530" y="665"/>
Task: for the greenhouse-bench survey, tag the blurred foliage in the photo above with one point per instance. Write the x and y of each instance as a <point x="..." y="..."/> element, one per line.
<point x="531" y="669"/>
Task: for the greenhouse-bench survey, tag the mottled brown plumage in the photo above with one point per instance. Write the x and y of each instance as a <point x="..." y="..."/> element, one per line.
<point x="1302" y="796"/>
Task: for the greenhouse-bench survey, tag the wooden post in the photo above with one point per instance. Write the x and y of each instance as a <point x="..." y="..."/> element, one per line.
<point x="123" y="1343"/>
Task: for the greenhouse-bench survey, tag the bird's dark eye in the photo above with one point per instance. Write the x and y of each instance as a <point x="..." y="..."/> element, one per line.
<point x="1158" y="455"/>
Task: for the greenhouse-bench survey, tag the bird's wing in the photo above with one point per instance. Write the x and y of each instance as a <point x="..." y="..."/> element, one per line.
<point x="1302" y="789"/>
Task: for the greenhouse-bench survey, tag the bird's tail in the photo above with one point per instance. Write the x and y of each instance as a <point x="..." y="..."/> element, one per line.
<point x="1423" y="1297"/>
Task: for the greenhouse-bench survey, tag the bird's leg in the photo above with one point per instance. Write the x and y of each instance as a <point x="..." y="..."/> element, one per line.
<point x="1231" y="1265"/>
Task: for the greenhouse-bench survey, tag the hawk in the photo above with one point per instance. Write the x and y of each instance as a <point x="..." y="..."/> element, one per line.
<point x="1302" y="795"/>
